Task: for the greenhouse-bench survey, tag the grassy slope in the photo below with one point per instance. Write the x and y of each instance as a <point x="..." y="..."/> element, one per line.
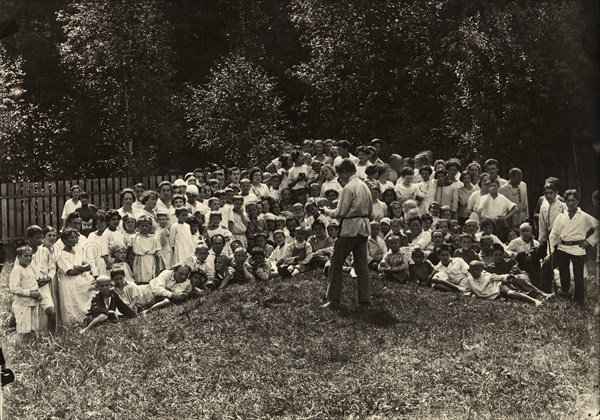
<point x="270" y="351"/>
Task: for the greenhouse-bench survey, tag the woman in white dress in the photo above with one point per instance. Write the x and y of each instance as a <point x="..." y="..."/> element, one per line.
<point x="127" y="200"/>
<point x="475" y="198"/>
<point x="258" y="188"/>
<point x="74" y="280"/>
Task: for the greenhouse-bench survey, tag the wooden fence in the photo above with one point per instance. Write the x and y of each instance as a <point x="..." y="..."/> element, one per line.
<point x="25" y="203"/>
<point x="41" y="203"/>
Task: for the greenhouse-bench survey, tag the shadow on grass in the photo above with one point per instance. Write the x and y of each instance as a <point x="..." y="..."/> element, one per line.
<point x="379" y="317"/>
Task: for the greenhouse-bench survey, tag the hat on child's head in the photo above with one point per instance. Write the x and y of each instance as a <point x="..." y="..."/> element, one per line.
<point x="300" y="229"/>
<point x="281" y="218"/>
<point x="188" y="176"/>
<point x="228" y="190"/>
<point x="470" y="222"/>
<point x="297" y="205"/>
<point x="102" y="279"/>
<point x="334" y="223"/>
<point x="386" y="220"/>
<point x="191" y="180"/>
<point x="179" y="182"/>
<point x="279" y="231"/>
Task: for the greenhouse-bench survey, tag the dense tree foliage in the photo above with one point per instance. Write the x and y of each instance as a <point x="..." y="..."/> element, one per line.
<point x="237" y="115"/>
<point x="472" y="78"/>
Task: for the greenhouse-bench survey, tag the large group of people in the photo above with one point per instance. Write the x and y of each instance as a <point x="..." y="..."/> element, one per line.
<point x="436" y="223"/>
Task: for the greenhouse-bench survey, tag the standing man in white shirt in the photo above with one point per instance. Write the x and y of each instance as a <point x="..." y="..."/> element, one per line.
<point x="568" y="236"/>
<point x="353" y="210"/>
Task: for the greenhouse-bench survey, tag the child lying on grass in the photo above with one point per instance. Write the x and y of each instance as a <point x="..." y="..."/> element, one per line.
<point x="490" y="286"/>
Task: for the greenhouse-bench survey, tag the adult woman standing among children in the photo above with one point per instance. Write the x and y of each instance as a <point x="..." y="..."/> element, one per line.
<point x="72" y="204"/>
<point x="163" y="205"/>
<point x="74" y="280"/>
<point x="127" y="200"/>
<point x="258" y="188"/>
<point x="475" y="197"/>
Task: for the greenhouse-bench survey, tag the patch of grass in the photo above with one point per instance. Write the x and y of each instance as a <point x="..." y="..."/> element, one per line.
<point x="260" y="351"/>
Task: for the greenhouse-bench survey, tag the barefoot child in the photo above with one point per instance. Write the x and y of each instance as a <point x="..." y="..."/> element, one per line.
<point x="420" y="269"/>
<point x="23" y="284"/>
<point x="105" y="305"/>
<point x="490" y="286"/>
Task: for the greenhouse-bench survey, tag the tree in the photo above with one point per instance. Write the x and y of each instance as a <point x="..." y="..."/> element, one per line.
<point x="119" y="56"/>
<point x="27" y="135"/>
<point x="236" y="118"/>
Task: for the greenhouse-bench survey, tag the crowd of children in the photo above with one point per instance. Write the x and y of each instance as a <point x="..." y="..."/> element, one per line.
<point x="464" y="232"/>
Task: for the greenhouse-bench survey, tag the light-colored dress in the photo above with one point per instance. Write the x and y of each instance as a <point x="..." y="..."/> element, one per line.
<point x="144" y="247"/>
<point x="76" y="292"/>
<point x="180" y="239"/>
<point x="166" y="254"/>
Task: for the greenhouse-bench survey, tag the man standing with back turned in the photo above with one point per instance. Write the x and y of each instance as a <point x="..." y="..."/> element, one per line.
<point x="353" y="210"/>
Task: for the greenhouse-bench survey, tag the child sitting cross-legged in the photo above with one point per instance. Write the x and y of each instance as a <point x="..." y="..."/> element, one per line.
<point x="105" y="305"/>
<point x="420" y="268"/>
<point x="319" y="239"/>
<point x="298" y="255"/>
<point x="490" y="286"/>
<point x="393" y="265"/>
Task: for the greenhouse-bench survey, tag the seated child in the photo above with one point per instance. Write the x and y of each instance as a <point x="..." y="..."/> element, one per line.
<point x="376" y="247"/>
<point x="489" y="286"/>
<point x="471" y="228"/>
<point x="323" y="255"/>
<point x="199" y="262"/>
<point x="133" y="295"/>
<point x="466" y="251"/>
<point x="437" y="239"/>
<point x="319" y="239"/>
<point x="420" y="269"/>
<point x="393" y="265"/>
<point x="299" y="254"/>
<point x="451" y="274"/>
<point x="487" y="228"/>
<point x="260" y="269"/>
<point x="279" y="253"/>
<point x="485" y="246"/>
<point x="260" y="241"/>
<point x="223" y="272"/>
<point x="119" y="253"/>
<point x="242" y="270"/>
<point x="445" y="213"/>
<point x="105" y="305"/>
<point x="23" y="285"/>
<point x="385" y="226"/>
<point x="528" y="253"/>
<point x="519" y="280"/>
<point x="426" y="222"/>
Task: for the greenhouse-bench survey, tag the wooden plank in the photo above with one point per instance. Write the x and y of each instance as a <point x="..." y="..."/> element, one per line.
<point x="115" y="197"/>
<point x="95" y="184"/>
<point x="43" y="204"/>
<point x="33" y="203"/>
<point x="103" y="193"/>
<point x="4" y="213"/>
<point x="60" y="202"/>
<point x="19" y="210"/>
<point x="54" y="215"/>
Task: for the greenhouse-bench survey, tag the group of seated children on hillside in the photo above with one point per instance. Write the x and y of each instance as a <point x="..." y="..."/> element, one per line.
<point x="451" y="231"/>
